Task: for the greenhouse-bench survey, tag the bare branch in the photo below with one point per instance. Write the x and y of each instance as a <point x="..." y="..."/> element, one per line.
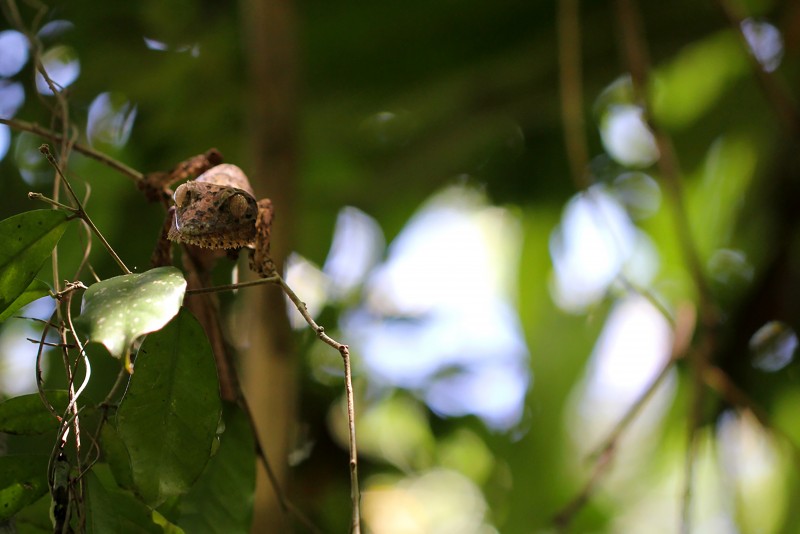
<point x="83" y="149"/>
<point x="344" y="350"/>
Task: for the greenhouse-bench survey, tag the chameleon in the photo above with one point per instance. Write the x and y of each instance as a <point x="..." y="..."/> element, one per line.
<point x="218" y="210"/>
<point x="213" y="212"/>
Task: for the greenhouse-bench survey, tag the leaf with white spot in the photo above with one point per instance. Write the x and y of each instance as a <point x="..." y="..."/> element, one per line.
<point x="118" y="310"/>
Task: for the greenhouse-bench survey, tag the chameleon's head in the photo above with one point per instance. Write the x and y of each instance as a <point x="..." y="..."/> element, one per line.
<point x="213" y="216"/>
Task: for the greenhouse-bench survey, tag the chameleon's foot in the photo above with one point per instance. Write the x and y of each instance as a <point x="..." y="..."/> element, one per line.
<point x="262" y="264"/>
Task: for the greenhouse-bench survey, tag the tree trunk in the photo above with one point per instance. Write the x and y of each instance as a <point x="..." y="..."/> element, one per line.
<point x="269" y="367"/>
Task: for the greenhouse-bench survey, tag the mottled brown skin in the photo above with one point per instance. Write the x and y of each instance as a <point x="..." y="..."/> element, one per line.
<point x="218" y="210"/>
<point x="155" y="184"/>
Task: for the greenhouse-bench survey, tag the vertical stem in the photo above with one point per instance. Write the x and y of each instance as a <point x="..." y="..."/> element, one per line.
<point x="344" y="350"/>
<point x="355" y="494"/>
<point x="569" y="55"/>
<point x="637" y="58"/>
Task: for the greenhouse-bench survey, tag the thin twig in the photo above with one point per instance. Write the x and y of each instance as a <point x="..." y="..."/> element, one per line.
<point x="50" y="344"/>
<point x="73" y="403"/>
<point x="635" y="48"/>
<point x="569" y="57"/>
<point x="688" y="479"/>
<point x="81" y="212"/>
<point x="83" y="149"/>
<point x="32" y="195"/>
<point x="610" y="442"/>
<point x="564" y="517"/>
<point x="716" y="379"/>
<point x="87" y="250"/>
<point x="344" y="350"/>
<point x="233" y="287"/>
<point x="81" y="349"/>
<point x="700" y="362"/>
<point x="39" y="378"/>
<point x="775" y="92"/>
<point x="602" y="455"/>
<point x="121" y="377"/>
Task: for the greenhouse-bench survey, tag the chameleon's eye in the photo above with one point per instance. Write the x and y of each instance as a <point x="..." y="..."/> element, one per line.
<point x="238" y="205"/>
<point x="181" y="195"/>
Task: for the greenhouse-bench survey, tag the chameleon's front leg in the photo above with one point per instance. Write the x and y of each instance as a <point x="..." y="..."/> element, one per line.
<point x="260" y="259"/>
<point x="162" y="254"/>
<point x="155" y="186"/>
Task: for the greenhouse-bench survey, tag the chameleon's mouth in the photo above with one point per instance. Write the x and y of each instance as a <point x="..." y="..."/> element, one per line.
<point x="213" y="216"/>
<point x="208" y="239"/>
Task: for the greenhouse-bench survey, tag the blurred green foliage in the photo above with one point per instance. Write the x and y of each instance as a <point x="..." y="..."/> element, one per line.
<point x="399" y="100"/>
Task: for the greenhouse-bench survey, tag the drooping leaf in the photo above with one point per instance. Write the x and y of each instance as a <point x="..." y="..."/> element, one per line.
<point x="222" y="498"/>
<point x="26" y="241"/>
<point x="26" y="415"/>
<point x="23" y="479"/>
<point x="118" y="310"/>
<point x="168" y="419"/>
<point x="34" y="518"/>
<point x="35" y="290"/>
<point x="113" y="510"/>
<point x="116" y="454"/>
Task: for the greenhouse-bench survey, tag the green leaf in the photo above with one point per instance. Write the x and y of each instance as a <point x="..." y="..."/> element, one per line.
<point x="23" y="479"/>
<point x="168" y="418"/>
<point x="695" y="79"/>
<point x="222" y="498"/>
<point x="26" y="415"/>
<point x="112" y="510"/>
<point x="26" y="241"/>
<point x="118" y="310"/>
<point x="35" y="518"/>
<point x="168" y="528"/>
<point x="35" y="290"/>
<point x="116" y="454"/>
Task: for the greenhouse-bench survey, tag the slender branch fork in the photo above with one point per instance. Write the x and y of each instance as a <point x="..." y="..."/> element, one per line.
<point x="78" y="147"/>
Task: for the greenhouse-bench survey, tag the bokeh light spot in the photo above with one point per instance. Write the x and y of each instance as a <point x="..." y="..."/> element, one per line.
<point x="12" y="96"/>
<point x="32" y="166"/>
<point x="593" y="243"/>
<point x="62" y="66"/>
<point x="5" y="140"/>
<point x="765" y="41"/>
<point x="110" y="120"/>
<point x="437" y="316"/>
<point x="627" y="138"/>
<point x="440" y="501"/>
<point x="773" y="345"/>
<point x="634" y="345"/>
<point x="639" y="193"/>
<point x="356" y="248"/>
<point x="15" y="52"/>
